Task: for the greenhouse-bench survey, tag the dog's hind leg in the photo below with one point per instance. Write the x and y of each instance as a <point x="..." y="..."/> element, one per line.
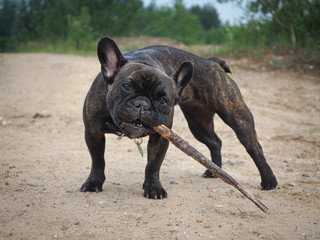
<point x="245" y="131"/>
<point x="235" y="113"/>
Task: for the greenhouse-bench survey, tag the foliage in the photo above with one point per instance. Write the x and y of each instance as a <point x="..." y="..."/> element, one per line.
<point x="77" y="24"/>
<point x="8" y="21"/>
<point x="208" y="16"/>
<point x="80" y="21"/>
<point x="175" y="23"/>
<point x="298" y="17"/>
<point x="80" y="31"/>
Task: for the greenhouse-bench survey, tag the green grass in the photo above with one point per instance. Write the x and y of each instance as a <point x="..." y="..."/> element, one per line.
<point x="291" y="58"/>
<point x="309" y="131"/>
<point x="58" y="47"/>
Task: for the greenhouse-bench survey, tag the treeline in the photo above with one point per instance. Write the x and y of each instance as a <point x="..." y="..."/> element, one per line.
<point x="81" y="22"/>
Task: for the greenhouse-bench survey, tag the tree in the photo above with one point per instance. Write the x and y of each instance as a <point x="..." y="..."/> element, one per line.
<point x="8" y="24"/>
<point x="176" y="23"/>
<point x="7" y="17"/>
<point x="80" y="31"/>
<point x="54" y="25"/>
<point x="24" y="22"/>
<point x="208" y="16"/>
<point x="36" y="12"/>
<point x="124" y="17"/>
<point x="309" y="25"/>
<point x="284" y="12"/>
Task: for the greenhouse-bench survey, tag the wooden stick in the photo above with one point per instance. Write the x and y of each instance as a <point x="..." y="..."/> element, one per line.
<point x="194" y="153"/>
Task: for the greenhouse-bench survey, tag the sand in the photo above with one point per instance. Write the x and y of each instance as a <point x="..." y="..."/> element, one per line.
<point x="44" y="161"/>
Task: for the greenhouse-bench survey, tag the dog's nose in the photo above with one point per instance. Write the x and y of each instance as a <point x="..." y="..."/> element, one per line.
<point x="143" y="105"/>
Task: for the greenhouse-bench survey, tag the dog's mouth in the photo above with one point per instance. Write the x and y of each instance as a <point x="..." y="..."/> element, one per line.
<point x="135" y="128"/>
<point x="137" y="123"/>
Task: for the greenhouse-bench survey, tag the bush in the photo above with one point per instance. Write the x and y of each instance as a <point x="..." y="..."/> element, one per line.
<point x="80" y="32"/>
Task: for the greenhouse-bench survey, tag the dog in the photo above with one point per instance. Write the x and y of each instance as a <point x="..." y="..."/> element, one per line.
<point x="139" y="89"/>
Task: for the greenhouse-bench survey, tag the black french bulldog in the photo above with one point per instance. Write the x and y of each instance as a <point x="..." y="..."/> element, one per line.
<point x="139" y="89"/>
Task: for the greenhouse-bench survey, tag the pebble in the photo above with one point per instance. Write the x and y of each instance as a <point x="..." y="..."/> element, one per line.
<point x="173" y="182"/>
<point x="219" y="206"/>
<point x="291" y="184"/>
<point x="5" y="123"/>
<point x="42" y="114"/>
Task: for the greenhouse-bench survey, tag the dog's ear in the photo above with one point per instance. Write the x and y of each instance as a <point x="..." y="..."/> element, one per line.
<point x="110" y="58"/>
<point x="182" y="77"/>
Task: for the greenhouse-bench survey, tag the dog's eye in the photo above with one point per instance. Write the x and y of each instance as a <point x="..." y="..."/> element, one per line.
<point x="127" y="86"/>
<point x="163" y="100"/>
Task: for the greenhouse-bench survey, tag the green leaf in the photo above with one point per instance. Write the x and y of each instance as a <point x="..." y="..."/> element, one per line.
<point x="139" y="147"/>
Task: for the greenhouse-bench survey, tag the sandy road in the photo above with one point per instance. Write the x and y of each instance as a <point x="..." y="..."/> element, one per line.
<point x="44" y="161"/>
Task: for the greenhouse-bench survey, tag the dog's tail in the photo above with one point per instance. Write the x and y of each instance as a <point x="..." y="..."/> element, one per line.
<point x="222" y="63"/>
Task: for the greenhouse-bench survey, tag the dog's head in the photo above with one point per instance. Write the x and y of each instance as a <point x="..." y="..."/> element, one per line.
<point x="139" y="96"/>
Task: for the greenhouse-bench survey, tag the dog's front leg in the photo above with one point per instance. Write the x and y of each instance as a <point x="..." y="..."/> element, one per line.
<point x="96" y="145"/>
<point x="157" y="148"/>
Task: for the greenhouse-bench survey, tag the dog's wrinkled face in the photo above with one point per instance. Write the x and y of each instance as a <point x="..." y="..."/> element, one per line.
<point x="141" y="97"/>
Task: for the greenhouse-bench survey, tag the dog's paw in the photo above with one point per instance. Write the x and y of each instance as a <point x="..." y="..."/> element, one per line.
<point x="93" y="184"/>
<point x="208" y="174"/>
<point x="154" y="191"/>
<point x="269" y="184"/>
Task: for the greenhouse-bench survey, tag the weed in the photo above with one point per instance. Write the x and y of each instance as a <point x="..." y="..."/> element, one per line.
<point x="243" y="214"/>
<point x="310" y="131"/>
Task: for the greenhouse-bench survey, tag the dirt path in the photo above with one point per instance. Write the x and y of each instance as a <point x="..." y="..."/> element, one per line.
<point x="44" y="161"/>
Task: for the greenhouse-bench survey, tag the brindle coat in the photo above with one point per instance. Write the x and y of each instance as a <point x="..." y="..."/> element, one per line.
<point x="210" y="91"/>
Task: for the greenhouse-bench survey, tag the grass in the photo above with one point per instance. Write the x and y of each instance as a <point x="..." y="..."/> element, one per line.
<point x="130" y="47"/>
<point x="242" y="213"/>
<point x="310" y="131"/>
<point x="297" y="60"/>
<point x="58" y="47"/>
<point x="273" y="64"/>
